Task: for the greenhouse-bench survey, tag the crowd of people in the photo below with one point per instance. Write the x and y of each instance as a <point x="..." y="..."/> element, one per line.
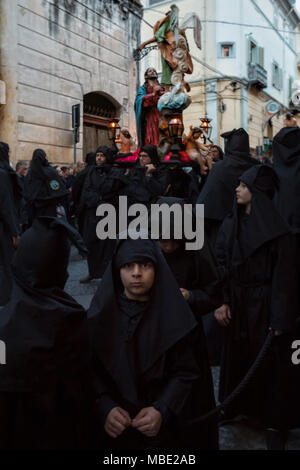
<point x="133" y="372"/>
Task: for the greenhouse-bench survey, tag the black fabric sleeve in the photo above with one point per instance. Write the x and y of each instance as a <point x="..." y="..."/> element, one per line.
<point x="284" y="298"/>
<point x="221" y="258"/>
<point x="183" y="371"/>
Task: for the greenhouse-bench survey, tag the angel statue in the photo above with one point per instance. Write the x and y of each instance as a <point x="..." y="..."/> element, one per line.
<point x="173" y="45"/>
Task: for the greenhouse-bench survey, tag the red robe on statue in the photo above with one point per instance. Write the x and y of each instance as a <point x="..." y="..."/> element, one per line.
<point x="152" y="116"/>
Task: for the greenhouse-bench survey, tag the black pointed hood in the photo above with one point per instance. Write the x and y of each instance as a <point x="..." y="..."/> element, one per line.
<point x="44" y="329"/>
<point x="248" y="232"/>
<point x="286" y="147"/>
<point x="218" y="192"/>
<point x="237" y="143"/>
<point x="42" y="257"/>
<point x="42" y="183"/>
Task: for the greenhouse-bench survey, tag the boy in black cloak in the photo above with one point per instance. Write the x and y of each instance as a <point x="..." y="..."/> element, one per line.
<point x="217" y="196"/>
<point x="44" y="189"/>
<point x="10" y="198"/>
<point x="45" y="386"/>
<point x="150" y="356"/>
<point x="257" y="250"/>
<point x="145" y="181"/>
<point x="196" y="272"/>
<point x="101" y="187"/>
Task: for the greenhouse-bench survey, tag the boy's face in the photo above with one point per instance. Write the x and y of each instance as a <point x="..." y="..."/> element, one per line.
<point x="243" y="195"/>
<point x="137" y="279"/>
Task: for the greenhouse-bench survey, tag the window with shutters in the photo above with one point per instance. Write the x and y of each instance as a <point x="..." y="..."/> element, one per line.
<point x="276" y="76"/>
<point x="252" y="52"/>
<point x="255" y="53"/>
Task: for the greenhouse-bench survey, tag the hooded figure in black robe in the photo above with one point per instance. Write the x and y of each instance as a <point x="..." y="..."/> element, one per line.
<point x="10" y="197"/>
<point x="258" y="252"/>
<point x="217" y="196"/>
<point x="45" y="385"/>
<point x="196" y="272"/>
<point x="218" y="192"/>
<point x="77" y="187"/>
<point x="150" y="353"/>
<point x="182" y="182"/>
<point x="141" y="187"/>
<point x="286" y="160"/>
<point x="101" y="186"/>
<point x="44" y="189"/>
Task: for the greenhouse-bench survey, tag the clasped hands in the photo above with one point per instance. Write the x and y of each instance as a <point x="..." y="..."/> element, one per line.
<point x="148" y="421"/>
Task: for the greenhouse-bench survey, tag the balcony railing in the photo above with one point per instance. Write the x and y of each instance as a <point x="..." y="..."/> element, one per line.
<point x="257" y="76"/>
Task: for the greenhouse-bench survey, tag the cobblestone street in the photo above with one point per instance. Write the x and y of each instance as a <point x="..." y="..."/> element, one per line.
<point x="235" y="436"/>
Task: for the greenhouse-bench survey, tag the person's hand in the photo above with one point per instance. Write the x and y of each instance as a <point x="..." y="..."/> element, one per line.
<point x="223" y="315"/>
<point x="150" y="169"/>
<point x="148" y="421"/>
<point x="141" y="46"/>
<point x="16" y="241"/>
<point x="156" y="89"/>
<point x="209" y="161"/>
<point x="185" y="294"/>
<point x="116" y="422"/>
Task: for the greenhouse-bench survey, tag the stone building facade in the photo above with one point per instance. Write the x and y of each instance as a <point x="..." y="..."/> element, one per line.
<point x="57" y="53"/>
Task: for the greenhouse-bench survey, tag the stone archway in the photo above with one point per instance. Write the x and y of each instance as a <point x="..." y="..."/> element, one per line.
<point x="98" y="109"/>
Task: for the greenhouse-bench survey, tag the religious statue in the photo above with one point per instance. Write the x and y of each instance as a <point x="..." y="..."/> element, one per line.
<point x="125" y="140"/>
<point x="173" y="45"/>
<point x="176" y="62"/>
<point x="146" y="112"/>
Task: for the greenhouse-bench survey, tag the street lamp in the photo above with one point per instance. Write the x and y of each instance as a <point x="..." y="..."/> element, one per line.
<point x="175" y="127"/>
<point x="206" y="128"/>
<point x="112" y="129"/>
<point x="175" y="130"/>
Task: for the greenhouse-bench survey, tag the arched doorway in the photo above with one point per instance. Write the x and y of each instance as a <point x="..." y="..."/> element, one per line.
<point x="98" y="110"/>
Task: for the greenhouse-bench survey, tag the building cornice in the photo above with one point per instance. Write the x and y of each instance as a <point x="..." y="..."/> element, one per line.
<point x="286" y="6"/>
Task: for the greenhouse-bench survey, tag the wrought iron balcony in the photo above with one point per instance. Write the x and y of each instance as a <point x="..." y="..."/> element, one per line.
<point x="257" y="76"/>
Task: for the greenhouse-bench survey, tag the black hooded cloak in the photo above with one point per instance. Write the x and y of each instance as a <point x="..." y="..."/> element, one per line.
<point x="77" y="187"/>
<point x="258" y="252"/>
<point x="10" y="197"/>
<point x="218" y="192"/>
<point x="44" y="189"/>
<point x="151" y="354"/>
<point x="45" y="386"/>
<point x="101" y="187"/>
<point x="217" y="196"/>
<point x="286" y="160"/>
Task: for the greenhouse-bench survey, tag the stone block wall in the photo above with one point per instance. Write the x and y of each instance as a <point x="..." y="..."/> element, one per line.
<point x="52" y="53"/>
